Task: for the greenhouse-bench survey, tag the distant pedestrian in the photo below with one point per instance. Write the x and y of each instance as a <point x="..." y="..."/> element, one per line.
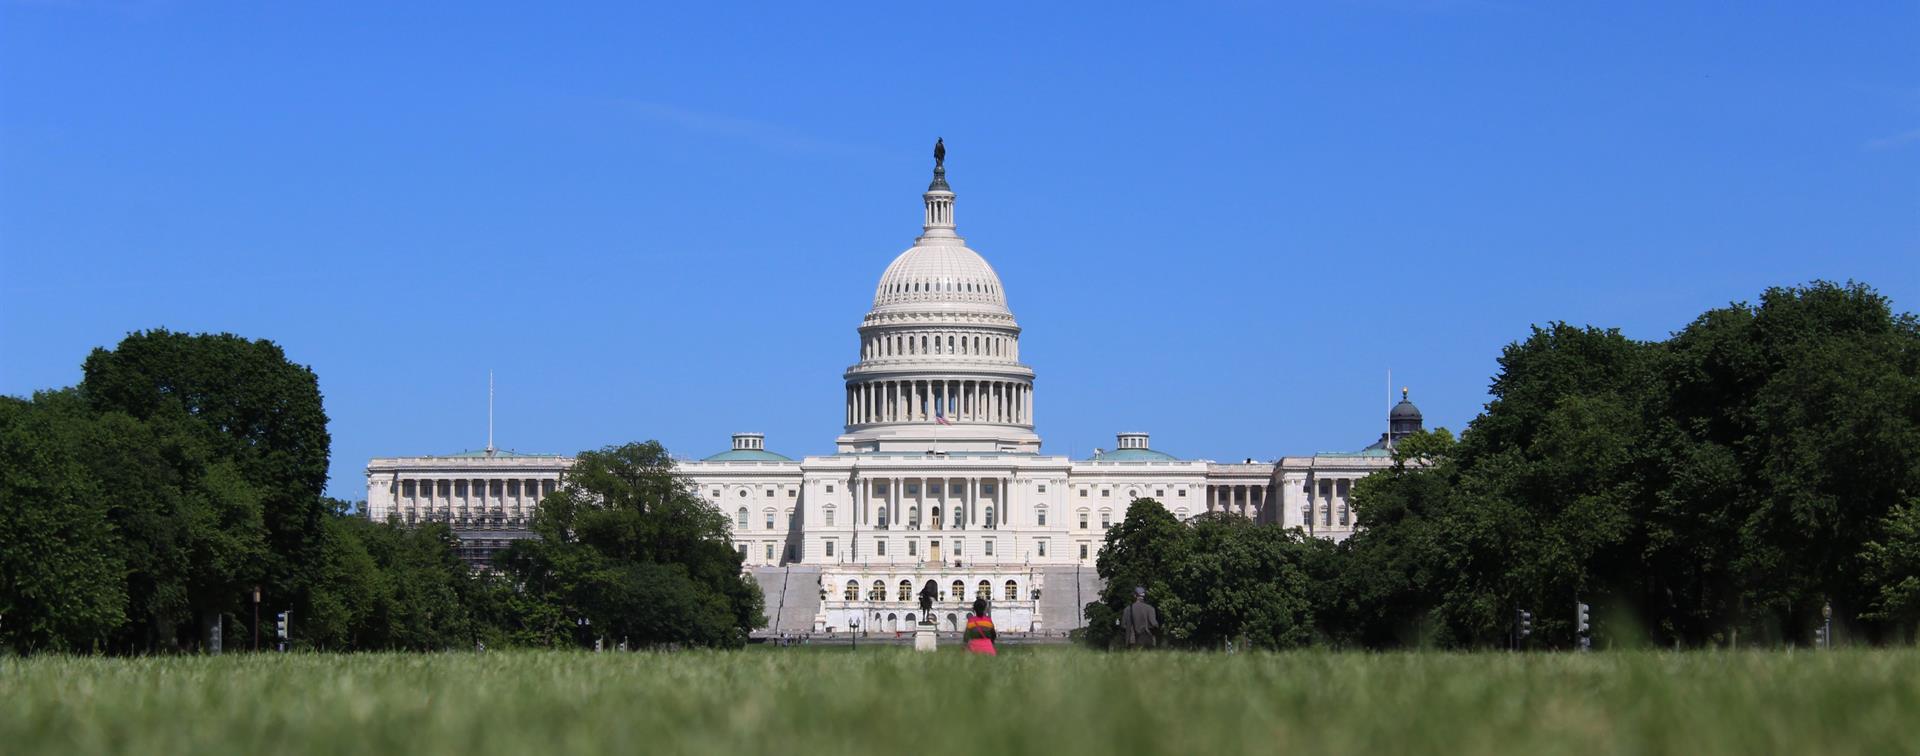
<point x="1139" y="620"/>
<point x="979" y="634"/>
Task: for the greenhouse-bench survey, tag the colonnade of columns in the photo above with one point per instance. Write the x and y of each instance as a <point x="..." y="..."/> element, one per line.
<point x="480" y="501"/>
<point x="1247" y="501"/>
<point x="1328" y="504"/>
<point x="958" y="503"/>
<point x="956" y="401"/>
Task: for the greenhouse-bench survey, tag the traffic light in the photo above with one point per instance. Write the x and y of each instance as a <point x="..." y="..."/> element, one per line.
<point x="1820" y="637"/>
<point x="280" y="625"/>
<point x="1522" y="623"/>
<point x="1581" y="628"/>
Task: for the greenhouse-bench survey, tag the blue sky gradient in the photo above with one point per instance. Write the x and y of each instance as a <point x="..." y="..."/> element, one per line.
<point x="1221" y="222"/>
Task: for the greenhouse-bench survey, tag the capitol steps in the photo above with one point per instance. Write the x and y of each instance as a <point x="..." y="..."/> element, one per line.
<point x="792" y="596"/>
<point x="1068" y="589"/>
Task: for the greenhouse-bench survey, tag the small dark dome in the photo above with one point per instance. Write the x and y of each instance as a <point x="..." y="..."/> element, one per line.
<point x="1404" y="411"/>
<point x="1404" y="420"/>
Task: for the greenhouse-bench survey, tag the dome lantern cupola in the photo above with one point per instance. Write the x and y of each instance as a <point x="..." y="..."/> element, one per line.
<point x="939" y="198"/>
<point x="1404" y="419"/>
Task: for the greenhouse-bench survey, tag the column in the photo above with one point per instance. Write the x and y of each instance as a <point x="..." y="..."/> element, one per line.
<point x="973" y="495"/>
<point x="1005" y="505"/>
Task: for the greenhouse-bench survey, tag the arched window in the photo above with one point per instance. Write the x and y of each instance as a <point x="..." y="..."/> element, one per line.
<point x="983" y="591"/>
<point x="883" y="517"/>
<point x="878" y="592"/>
<point x="853" y="590"/>
<point x="913" y="518"/>
<point x="740" y="518"/>
<point x="989" y="516"/>
<point x="906" y="591"/>
<point x="1013" y="591"/>
<point x="959" y="591"/>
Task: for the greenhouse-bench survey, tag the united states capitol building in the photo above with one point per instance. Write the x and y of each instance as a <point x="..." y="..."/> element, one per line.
<point x="938" y="475"/>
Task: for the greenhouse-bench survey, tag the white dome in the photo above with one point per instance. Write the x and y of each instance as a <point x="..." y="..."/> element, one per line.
<point x="940" y="274"/>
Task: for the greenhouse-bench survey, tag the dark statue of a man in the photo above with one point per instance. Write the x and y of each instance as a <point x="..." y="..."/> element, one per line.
<point x="927" y="595"/>
<point x="939" y="152"/>
<point x="1139" y="620"/>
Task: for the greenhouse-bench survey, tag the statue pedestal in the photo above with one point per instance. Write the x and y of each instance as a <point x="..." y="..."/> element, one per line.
<point x="923" y="637"/>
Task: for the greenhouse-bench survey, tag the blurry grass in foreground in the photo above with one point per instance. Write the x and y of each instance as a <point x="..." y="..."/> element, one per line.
<point x="1046" y="700"/>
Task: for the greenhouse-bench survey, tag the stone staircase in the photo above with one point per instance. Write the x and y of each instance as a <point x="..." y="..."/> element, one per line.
<point x="792" y="595"/>
<point x="1068" y="589"/>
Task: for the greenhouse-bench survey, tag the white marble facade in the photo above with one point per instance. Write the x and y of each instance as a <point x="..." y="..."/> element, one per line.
<point x="938" y="473"/>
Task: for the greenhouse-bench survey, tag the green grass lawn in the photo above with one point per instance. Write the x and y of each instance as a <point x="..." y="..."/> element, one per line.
<point x="878" y="700"/>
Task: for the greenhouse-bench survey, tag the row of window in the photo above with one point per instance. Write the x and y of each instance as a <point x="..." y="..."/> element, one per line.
<point x="959" y="517"/>
<point x="461" y="488"/>
<point x="907" y="345"/>
<point x="769" y="549"/>
<point x="905" y="591"/>
<point x="913" y="548"/>
<point x="1133" y="493"/>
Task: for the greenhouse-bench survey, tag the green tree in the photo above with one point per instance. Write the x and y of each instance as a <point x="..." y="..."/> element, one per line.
<point x="627" y="545"/>
<point x="62" y="582"/>
<point x="1892" y="569"/>
<point x="252" y="408"/>
<point x="1141" y="551"/>
<point x="1243" y="583"/>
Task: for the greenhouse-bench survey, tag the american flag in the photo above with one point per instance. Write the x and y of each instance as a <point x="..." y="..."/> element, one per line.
<point x="941" y="418"/>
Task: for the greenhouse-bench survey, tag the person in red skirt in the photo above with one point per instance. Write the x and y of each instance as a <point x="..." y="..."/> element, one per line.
<point x="979" y="635"/>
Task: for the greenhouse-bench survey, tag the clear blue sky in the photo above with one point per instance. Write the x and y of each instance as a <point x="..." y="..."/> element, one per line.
<point x="1221" y="223"/>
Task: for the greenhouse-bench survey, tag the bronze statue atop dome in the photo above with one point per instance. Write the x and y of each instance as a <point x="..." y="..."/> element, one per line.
<point x="939" y="152"/>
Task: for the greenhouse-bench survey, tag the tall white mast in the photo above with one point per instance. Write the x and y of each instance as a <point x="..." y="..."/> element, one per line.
<point x="490" y="412"/>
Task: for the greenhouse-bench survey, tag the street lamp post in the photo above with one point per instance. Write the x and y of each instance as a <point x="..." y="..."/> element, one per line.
<point x="256" y="619"/>
<point x="1826" y="617"/>
<point x="853" y="624"/>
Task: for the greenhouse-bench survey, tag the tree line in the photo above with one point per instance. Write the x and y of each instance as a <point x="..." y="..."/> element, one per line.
<point x="1728" y="485"/>
<point x="146" y="506"/>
